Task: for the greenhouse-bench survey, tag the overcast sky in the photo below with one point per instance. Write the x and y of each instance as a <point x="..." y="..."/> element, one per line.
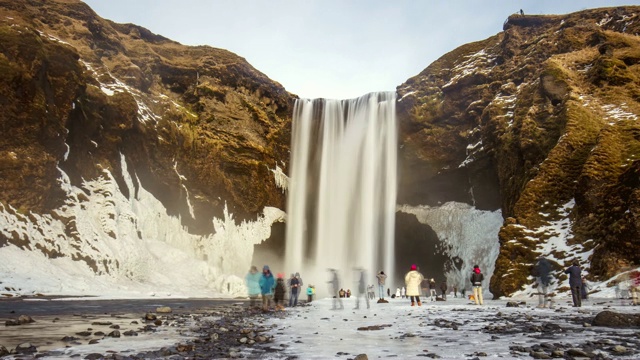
<point x="333" y="48"/>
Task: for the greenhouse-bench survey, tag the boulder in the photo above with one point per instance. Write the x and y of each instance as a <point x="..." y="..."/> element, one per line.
<point x="26" y="348"/>
<point x="614" y="319"/>
<point x="25" y="319"/>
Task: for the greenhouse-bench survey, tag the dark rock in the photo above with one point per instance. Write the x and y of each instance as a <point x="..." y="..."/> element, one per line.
<point x="114" y="333"/>
<point x="519" y="348"/>
<point x="84" y="333"/>
<point x="373" y="327"/>
<point x="25" y="319"/>
<point x="26" y="348"/>
<point x="184" y="347"/>
<point x="3" y="351"/>
<point x="577" y="353"/>
<point x="130" y="333"/>
<point x="557" y="354"/>
<point x="103" y="323"/>
<point x="613" y="319"/>
<point x="512" y="304"/>
<point x="150" y="317"/>
<point x="94" y="356"/>
<point x="539" y="355"/>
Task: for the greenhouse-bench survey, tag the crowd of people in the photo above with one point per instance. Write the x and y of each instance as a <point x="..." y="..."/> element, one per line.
<point x="269" y="288"/>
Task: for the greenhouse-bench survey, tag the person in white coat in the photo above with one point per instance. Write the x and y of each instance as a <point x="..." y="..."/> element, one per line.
<point x="412" y="281"/>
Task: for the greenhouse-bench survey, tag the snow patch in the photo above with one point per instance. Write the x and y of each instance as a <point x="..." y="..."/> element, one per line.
<point x="465" y="232"/>
<point x="471" y="64"/>
<point x="281" y="179"/>
<point x="134" y="247"/>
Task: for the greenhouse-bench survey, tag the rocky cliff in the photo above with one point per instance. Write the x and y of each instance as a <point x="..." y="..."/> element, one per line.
<point x="84" y="99"/>
<point x="116" y="139"/>
<point x="78" y="91"/>
<point x="541" y="122"/>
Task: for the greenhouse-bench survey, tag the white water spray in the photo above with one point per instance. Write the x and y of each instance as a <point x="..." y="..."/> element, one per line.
<point x="342" y="191"/>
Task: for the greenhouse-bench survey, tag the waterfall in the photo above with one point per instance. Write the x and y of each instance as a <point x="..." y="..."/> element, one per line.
<point x="342" y="193"/>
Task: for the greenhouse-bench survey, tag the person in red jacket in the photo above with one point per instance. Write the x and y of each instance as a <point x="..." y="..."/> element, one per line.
<point x="476" y="281"/>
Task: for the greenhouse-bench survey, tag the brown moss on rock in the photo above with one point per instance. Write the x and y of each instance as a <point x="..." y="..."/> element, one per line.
<point x="553" y="101"/>
<point x="120" y="89"/>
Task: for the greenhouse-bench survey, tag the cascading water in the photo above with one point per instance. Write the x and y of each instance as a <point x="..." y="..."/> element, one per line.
<point x="342" y="192"/>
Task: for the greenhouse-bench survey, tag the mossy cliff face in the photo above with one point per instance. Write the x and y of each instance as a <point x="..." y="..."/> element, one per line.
<point x="542" y="122"/>
<point x="77" y="91"/>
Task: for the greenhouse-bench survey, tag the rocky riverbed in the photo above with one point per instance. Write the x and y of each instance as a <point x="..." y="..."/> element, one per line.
<point x="603" y="329"/>
<point x="225" y="330"/>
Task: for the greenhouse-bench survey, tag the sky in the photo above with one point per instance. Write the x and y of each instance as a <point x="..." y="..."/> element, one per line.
<point x="333" y="48"/>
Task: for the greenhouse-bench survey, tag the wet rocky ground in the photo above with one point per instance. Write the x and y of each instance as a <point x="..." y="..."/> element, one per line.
<point x="232" y="330"/>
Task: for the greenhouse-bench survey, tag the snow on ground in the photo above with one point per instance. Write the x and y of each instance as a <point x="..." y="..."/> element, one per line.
<point x="138" y="249"/>
<point x="317" y="332"/>
<point x="470" y="65"/>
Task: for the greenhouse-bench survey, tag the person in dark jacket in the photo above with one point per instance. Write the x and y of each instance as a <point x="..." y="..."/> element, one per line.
<point x="542" y="272"/>
<point x="443" y="289"/>
<point x="476" y="281"/>
<point x="278" y="295"/>
<point x="432" y="289"/>
<point x="267" y="283"/>
<point x="575" y="282"/>
<point x="294" y="292"/>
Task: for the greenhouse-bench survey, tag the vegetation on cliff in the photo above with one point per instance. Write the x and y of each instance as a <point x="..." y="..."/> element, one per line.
<point x="540" y="121"/>
<point x="78" y="91"/>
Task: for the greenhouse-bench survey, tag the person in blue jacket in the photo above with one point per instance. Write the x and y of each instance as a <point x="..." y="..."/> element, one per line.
<point x="575" y="282"/>
<point x="267" y="284"/>
<point x="252" y="280"/>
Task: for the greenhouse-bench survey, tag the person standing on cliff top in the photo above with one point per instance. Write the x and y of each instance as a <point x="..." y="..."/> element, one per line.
<point x="575" y="282"/>
<point x="476" y="281"/>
